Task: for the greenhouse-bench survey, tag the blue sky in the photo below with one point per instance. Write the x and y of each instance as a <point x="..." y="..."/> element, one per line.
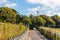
<point x="27" y="7"/>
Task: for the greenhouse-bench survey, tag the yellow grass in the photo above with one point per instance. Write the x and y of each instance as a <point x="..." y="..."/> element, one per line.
<point x="8" y="30"/>
<point x="57" y="30"/>
<point x="52" y="33"/>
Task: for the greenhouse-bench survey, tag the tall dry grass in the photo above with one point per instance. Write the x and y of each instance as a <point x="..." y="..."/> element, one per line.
<point x="8" y="30"/>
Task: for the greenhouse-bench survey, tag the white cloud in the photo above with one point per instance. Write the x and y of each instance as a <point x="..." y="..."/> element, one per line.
<point x="10" y="4"/>
<point x="51" y="3"/>
<point x="49" y="14"/>
<point x="57" y="14"/>
<point x="44" y="10"/>
<point x="34" y="9"/>
<point x="3" y="1"/>
<point x="7" y="3"/>
<point x="50" y="7"/>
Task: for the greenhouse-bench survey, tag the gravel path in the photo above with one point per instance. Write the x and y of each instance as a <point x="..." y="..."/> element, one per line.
<point x="35" y="35"/>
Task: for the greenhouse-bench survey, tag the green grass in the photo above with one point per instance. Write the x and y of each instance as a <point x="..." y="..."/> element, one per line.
<point x="8" y="30"/>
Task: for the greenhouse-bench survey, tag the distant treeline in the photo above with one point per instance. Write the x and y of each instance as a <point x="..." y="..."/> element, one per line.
<point x="12" y="16"/>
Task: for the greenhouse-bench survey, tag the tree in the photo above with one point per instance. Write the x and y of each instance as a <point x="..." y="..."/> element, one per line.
<point x="37" y="21"/>
<point x="41" y="21"/>
<point x="18" y="18"/>
<point x="26" y="20"/>
<point x="12" y="16"/>
<point x="7" y="14"/>
<point x="56" y="18"/>
<point x="49" y="20"/>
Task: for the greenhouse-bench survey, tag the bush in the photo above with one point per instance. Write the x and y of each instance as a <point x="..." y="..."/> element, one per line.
<point x="22" y="27"/>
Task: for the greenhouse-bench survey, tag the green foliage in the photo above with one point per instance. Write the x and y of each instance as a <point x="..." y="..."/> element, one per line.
<point x="37" y="21"/>
<point x="12" y="16"/>
<point x="33" y="21"/>
<point x="49" y="21"/>
<point x="18" y="18"/>
<point x="22" y="27"/>
<point x="41" y="21"/>
<point x="56" y="18"/>
<point x="26" y="20"/>
<point x="7" y="14"/>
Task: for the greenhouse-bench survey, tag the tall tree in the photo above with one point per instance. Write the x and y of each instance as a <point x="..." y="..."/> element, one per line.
<point x="26" y="20"/>
<point x="56" y="18"/>
<point x="7" y="14"/>
<point x="40" y="21"/>
<point x="49" y="20"/>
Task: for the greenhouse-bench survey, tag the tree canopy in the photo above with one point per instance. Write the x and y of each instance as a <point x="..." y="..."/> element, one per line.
<point x="56" y="18"/>
<point x="49" y="20"/>
<point x="41" y="21"/>
<point x="12" y="16"/>
<point x="7" y="14"/>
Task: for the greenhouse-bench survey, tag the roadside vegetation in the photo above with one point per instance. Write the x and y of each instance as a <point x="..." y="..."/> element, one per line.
<point x="44" y="20"/>
<point x="8" y="30"/>
<point x="51" y="33"/>
<point x="12" y="23"/>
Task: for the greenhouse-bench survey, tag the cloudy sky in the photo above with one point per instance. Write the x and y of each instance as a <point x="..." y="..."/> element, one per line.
<point x="26" y="7"/>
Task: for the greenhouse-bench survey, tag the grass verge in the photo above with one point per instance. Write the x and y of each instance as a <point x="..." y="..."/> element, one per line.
<point x="52" y="33"/>
<point x="8" y="30"/>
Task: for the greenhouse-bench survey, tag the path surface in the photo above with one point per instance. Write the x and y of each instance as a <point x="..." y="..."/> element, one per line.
<point x="24" y="36"/>
<point x="30" y="35"/>
<point x="35" y="35"/>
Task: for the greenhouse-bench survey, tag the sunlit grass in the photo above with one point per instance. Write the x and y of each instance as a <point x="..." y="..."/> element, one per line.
<point x="8" y="30"/>
<point x="52" y="33"/>
<point x="57" y="30"/>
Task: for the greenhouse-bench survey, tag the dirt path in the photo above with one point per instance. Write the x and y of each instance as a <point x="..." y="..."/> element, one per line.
<point x="30" y="35"/>
<point x="35" y="35"/>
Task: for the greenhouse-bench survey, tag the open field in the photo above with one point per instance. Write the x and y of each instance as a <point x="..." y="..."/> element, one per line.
<point x="56" y="30"/>
<point x="8" y="30"/>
